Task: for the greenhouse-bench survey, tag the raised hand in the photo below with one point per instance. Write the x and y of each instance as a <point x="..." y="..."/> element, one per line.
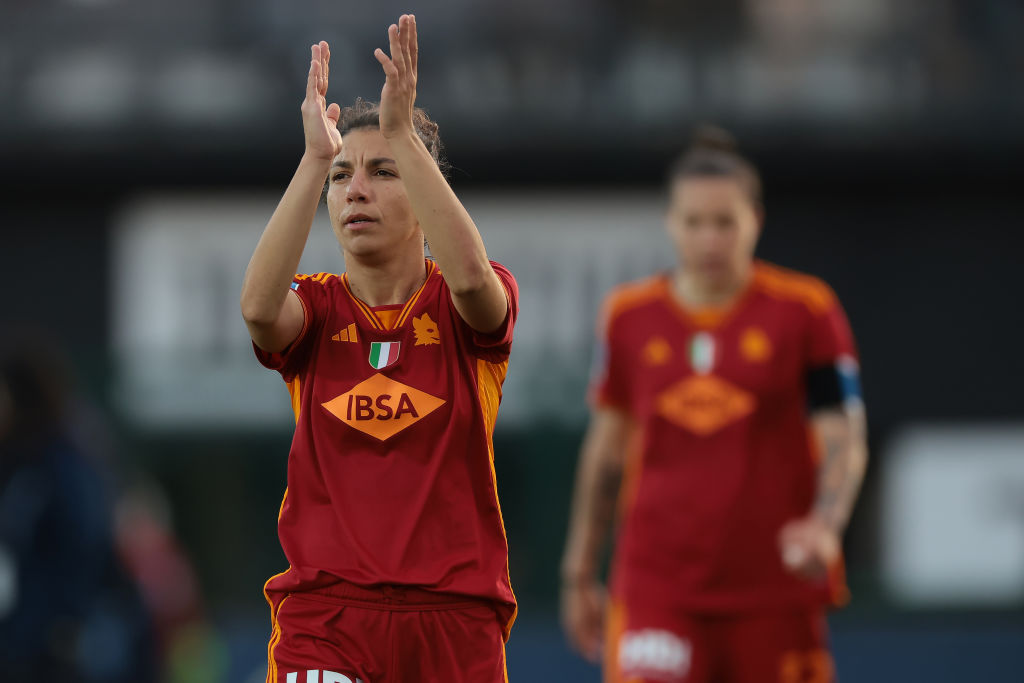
<point x="319" y="121"/>
<point x="398" y="98"/>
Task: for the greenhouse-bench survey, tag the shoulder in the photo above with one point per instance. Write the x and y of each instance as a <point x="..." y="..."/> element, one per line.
<point x="793" y="286"/>
<point x="631" y="296"/>
<point x="317" y="287"/>
<point x="321" y="279"/>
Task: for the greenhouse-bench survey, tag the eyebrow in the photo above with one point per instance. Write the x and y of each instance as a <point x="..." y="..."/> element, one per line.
<point x="379" y="161"/>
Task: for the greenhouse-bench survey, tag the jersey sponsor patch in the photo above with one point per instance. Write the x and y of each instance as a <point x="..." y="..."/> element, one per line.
<point x="295" y="285"/>
<point x="654" y="654"/>
<point x="704" y="404"/>
<point x="314" y="676"/>
<point x="383" y="354"/>
<point x="382" y="407"/>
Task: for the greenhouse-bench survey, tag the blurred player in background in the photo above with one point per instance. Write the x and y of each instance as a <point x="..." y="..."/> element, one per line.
<point x="727" y="410"/>
<point x="68" y="611"/>
<point x="390" y="523"/>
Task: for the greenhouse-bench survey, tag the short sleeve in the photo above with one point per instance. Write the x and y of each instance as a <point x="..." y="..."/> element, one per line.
<point x="609" y="384"/>
<point x="312" y="293"/>
<point x="500" y="340"/>
<point x="833" y="371"/>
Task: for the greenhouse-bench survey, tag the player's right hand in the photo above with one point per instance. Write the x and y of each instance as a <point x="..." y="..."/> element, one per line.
<point x="583" y="607"/>
<point x="320" y="121"/>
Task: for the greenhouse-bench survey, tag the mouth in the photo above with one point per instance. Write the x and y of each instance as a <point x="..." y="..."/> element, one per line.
<point x="358" y="220"/>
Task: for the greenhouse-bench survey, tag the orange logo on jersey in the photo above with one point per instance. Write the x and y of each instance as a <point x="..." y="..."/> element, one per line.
<point x="426" y="331"/>
<point x="382" y="407"/>
<point x="657" y="351"/>
<point x="348" y="334"/>
<point x="704" y="404"/>
<point x="755" y="345"/>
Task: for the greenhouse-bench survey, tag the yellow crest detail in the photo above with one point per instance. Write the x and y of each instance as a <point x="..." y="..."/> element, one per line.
<point x="657" y="351"/>
<point x="426" y="331"/>
<point x="755" y="345"/>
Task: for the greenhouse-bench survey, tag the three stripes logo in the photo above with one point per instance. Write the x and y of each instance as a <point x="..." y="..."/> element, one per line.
<point x="348" y="334"/>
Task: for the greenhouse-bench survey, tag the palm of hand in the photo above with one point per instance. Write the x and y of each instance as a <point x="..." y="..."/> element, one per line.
<point x="398" y="97"/>
<point x="320" y="121"/>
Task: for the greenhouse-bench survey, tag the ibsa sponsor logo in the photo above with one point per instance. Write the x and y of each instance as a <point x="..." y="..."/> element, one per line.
<point x="654" y="654"/>
<point x="382" y="407"/>
<point x="313" y="676"/>
<point x="704" y="404"/>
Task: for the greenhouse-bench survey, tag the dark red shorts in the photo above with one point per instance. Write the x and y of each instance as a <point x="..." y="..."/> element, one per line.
<point x="656" y="644"/>
<point x="346" y="634"/>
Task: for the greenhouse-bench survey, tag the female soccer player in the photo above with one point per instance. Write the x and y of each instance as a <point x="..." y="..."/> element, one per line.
<point x="390" y="523"/>
<point x="728" y="395"/>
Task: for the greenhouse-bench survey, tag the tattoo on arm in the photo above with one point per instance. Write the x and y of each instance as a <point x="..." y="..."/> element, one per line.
<point x="842" y="467"/>
<point x="609" y="483"/>
<point x="599" y="479"/>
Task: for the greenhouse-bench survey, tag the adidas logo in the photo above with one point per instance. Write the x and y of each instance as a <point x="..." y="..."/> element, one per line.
<point x="348" y="334"/>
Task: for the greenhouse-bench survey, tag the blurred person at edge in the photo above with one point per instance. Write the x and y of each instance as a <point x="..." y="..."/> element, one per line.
<point x="727" y="410"/>
<point x="398" y="562"/>
<point x="190" y="649"/>
<point x="68" y="612"/>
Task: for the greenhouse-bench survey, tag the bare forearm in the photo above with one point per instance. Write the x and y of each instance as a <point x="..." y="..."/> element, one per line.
<point x="844" y="443"/>
<point x="276" y="257"/>
<point x="453" y="237"/>
<point x="598" y="482"/>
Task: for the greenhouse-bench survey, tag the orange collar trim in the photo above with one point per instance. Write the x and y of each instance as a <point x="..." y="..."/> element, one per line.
<point x="375" y="321"/>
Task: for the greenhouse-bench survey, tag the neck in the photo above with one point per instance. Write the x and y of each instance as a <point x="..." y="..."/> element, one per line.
<point x="698" y="292"/>
<point x="389" y="281"/>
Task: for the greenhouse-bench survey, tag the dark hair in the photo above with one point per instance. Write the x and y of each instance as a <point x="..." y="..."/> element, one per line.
<point x="364" y="114"/>
<point x="37" y="378"/>
<point x="713" y="153"/>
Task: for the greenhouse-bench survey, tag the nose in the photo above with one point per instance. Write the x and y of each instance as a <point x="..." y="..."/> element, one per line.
<point x="358" y="189"/>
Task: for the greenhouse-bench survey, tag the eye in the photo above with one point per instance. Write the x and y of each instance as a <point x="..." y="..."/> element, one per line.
<point x="384" y="172"/>
<point x="339" y="176"/>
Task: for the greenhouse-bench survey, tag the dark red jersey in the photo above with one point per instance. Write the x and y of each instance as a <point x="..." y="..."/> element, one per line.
<point x="725" y="454"/>
<point x="391" y="471"/>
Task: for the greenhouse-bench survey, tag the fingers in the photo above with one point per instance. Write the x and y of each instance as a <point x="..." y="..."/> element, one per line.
<point x="413" y="48"/>
<point x="333" y="113"/>
<point x="325" y="59"/>
<point x="404" y="36"/>
<point x="397" y="55"/>
<point x="311" y="88"/>
<point x="389" y="66"/>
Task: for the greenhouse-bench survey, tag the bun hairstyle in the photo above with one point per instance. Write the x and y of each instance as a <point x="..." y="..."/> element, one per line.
<point x="365" y="114"/>
<point x="713" y="153"/>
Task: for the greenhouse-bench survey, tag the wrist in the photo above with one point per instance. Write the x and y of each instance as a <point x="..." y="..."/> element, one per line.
<point x="314" y="159"/>
<point x="404" y="139"/>
<point x="580" y="581"/>
<point x="577" y="575"/>
<point x="828" y="520"/>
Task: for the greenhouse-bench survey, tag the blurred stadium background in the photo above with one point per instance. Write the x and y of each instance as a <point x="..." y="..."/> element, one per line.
<point x="143" y="146"/>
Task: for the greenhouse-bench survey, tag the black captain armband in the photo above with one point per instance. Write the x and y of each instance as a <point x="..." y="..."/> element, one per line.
<point x="836" y="385"/>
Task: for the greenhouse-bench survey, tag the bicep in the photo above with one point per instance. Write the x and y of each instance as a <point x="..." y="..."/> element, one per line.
<point x="282" y="332"/>
<point x="486" y="308"/>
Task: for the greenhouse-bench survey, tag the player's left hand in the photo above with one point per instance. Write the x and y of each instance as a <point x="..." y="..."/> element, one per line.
<point x="398" y="98"/>
<point x="809" y="547"/>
